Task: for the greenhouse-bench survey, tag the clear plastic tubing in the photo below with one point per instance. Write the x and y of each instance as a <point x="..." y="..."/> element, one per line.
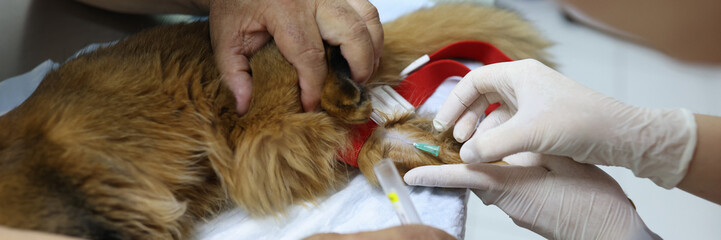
<point x="394" y="187"/>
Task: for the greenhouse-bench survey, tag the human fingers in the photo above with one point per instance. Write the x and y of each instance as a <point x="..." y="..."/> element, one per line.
<point x="492" y="78"/>
<point x="413" y="231"/>
<point x="232" y="46"/>
<point x="11" y="233"/>
<point x="467" y="122"/>
<point x="526" y="159"/>
<point x="458" y="101"/>
<point x="511" y="137"/>
<point x="494" y="119"/>
<point x="296" y="34"/>
<point x="370" y="16"/>
<point x="340" y="25"/>
<point x="454" y="176"/>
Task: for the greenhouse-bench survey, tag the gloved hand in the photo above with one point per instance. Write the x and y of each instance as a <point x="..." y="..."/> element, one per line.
<point x="545" y="112"/>
<point x="549" y="195"/>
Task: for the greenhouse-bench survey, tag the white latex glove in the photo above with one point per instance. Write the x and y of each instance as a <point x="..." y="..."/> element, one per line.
<point x="545" y="112"/>
<point x="549" y="195"/>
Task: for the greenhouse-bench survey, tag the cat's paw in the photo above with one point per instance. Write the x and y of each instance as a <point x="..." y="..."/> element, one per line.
<point x="342" y="97"/>
<point x="348" y="103"/>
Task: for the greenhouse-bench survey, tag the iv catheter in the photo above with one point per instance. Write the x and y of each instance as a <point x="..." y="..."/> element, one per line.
<point x="396" y="191"/>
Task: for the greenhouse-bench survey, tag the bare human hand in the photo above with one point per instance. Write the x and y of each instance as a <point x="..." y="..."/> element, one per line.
<point x="420" y="232"/>
<point x="238" y="28"/>
<point x="11" y="233"/>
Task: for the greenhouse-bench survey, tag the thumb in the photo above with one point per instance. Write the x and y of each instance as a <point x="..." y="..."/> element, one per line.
<point x="240" y="83"/>
<point x="477" y="176"/>
<point x="234" y="65"/>
<point x="508" y="138"/>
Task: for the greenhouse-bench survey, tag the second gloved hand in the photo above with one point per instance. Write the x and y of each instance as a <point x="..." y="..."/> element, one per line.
<point x="545" y="112"/>
<point x="549" y="195"/>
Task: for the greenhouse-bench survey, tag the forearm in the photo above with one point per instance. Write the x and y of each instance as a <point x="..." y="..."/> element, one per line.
<point x="702" y="177"/>
<point x="687" y="30"/>
<point x="197" y="7"/>
<point x="10" y="233"/>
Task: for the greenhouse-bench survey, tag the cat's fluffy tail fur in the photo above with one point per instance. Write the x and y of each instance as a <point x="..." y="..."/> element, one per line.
<point x="428" y="30"/>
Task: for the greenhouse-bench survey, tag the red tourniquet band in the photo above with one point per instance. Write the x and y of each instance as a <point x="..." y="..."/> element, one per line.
<point x="420" y="85"/>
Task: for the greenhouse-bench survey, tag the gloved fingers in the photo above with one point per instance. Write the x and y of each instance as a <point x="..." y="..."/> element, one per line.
<point x="560" y="164"/>
<point x="492" y="78"/>
<point x="480" y="176"/>
<point x="510" y="137"/>
<point x="556" y="164"/>
<point x="458" y="102"/>
<point x="450" y="176"/>
<point x="506" y="104"/>
<point x="565" y="166"/>
<point x="341" y="25"/>
<point x="468" y="121"/>
<point x="494" y="119"/>
<point x="526" y="159"/>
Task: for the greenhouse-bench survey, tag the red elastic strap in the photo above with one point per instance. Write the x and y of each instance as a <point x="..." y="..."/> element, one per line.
<point x="416" y="88"/>
<point x="491" y="108"/>
<point x="476" y="50"/>
<point x="421" y="84"/>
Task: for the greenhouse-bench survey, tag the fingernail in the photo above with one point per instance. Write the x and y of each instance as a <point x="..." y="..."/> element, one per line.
<point x="463" y="138"/>
<point x="439" y="125"/>
<point x="468" y="154"/>
<point x="241" y="109"/>
<point x="410" y="179"/>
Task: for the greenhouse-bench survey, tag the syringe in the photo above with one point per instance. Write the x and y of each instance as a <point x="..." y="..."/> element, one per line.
<point x="396" y="191"/>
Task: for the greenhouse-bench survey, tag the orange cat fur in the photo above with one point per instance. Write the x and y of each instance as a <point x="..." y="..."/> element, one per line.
<point x="140" y="140"/>
<point x="424" y="32"/>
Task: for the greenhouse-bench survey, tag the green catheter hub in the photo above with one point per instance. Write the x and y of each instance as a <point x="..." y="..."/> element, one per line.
<point x="428" y="148"/>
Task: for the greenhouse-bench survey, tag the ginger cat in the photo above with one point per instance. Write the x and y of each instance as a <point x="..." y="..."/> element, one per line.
<point x="140" y="140"/>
